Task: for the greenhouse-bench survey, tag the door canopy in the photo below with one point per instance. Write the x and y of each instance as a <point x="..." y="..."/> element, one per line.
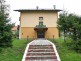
<point x="40" y="28"/>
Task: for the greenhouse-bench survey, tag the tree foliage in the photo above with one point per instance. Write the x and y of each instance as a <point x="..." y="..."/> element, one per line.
<point x="62" y="23"/>
<point x="70" y="24"/>
<point x="5" y="26"/>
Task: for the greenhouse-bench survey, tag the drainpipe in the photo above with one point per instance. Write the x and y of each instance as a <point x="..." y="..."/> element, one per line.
<point x="19" y="32"/>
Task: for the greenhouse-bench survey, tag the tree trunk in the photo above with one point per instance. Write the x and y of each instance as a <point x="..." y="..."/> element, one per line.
<point x="64" y="36"/>
<point x="74" y="34"/>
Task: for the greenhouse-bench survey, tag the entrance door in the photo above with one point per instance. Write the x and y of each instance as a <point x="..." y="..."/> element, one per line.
<point x="40" y="34"/>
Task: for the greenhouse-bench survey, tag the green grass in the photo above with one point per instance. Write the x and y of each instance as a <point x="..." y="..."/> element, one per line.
<point x="15" y="53"/>
<point x="66" y="54"/>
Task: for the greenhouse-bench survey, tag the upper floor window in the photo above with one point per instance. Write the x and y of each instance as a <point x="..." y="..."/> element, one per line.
<point x="40" y="18"/>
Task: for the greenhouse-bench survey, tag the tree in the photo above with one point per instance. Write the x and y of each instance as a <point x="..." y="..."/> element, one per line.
<point x="62" y="23"/>
<point x="75" y="29"/>
<point x="5" y="26"/>
<point x="70" y="24"/>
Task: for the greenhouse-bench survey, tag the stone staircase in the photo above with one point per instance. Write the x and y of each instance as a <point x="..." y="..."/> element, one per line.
<point x="41" y="50"/>
<point x="41" y="53"/>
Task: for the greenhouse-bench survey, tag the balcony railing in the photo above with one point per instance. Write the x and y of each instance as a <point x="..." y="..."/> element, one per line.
<point x="40" y="26"/>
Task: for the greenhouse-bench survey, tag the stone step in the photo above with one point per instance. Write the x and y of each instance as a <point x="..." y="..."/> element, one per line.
<point x="40" y="50"/>
<point x="42" y="60"/>
<point x="42" y="53"/>
<point x="41" y="57"/>
<point x="41" y="47"/>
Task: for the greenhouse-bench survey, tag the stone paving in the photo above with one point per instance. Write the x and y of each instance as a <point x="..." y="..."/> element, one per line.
<point x="41" y="50"/>
<point x="40" y="42"/>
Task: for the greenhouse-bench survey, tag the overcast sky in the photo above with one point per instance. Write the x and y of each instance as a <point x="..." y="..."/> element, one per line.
<point x="73" y="6"/>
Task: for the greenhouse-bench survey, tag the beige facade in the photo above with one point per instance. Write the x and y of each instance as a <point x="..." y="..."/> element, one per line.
<point x="29" y="19"/>
<point x="29" y="32"/>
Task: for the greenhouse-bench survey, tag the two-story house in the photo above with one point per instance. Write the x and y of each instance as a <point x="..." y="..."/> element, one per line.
<point x="38" y="23"/>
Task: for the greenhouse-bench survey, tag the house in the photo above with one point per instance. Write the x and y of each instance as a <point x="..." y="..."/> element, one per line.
<point x="38" y="23"/>
<point x="14" y="29"/>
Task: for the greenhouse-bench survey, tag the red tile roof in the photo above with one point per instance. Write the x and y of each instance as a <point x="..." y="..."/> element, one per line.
<point x="14" y="28"/>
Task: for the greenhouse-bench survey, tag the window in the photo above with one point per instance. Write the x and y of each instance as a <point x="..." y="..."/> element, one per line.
<point x="40" y="18"/>
<point x="40" y="23"/>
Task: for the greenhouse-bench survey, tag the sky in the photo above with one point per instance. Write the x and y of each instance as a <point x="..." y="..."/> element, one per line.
<point x="72" y="6"/>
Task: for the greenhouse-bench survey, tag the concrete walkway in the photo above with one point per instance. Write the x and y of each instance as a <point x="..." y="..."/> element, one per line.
<point x="41" y="50"/>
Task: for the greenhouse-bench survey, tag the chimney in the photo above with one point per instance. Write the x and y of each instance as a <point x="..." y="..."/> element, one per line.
<point x="37" y="7"/>
<point x="54" y="6"/>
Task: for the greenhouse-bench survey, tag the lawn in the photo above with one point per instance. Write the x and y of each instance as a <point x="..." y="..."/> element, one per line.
<point x="15" y="53"/>
<point x="66" y="54"/>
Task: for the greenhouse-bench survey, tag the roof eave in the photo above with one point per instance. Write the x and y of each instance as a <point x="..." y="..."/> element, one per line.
<point x="39" y="10"/>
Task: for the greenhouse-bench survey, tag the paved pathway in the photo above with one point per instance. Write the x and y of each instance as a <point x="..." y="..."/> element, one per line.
<point x="41" y="50"/>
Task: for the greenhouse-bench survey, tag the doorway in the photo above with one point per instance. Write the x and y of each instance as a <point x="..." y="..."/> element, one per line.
<point x="40" y="34"/>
